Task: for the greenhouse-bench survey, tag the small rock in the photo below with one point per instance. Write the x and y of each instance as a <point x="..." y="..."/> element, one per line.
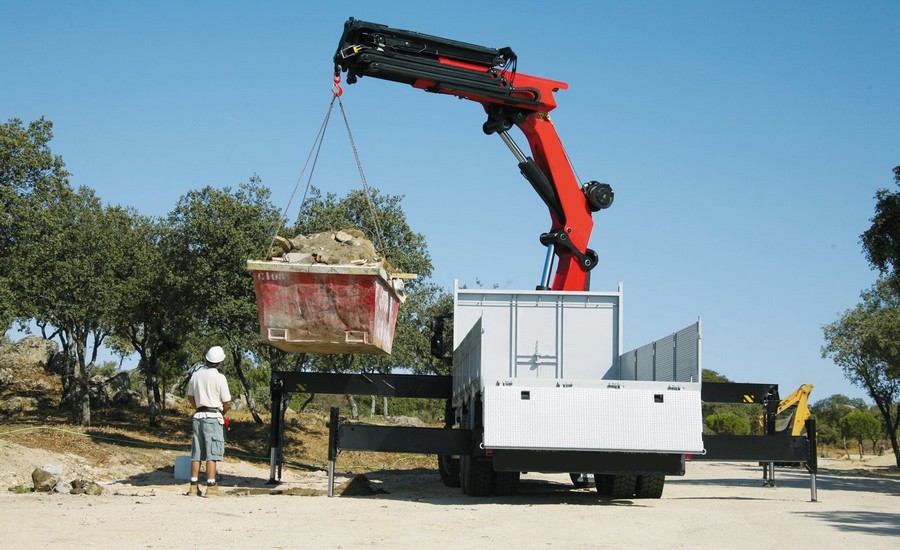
<point x="298" y="257"/>
<point x="85" y="487"/>
<point x="44" y="481"/>
<point x="53" y="469"/>
<point x="63" y="487"/>
<point x="359" y="485"/>
<point x="284" y="244"/>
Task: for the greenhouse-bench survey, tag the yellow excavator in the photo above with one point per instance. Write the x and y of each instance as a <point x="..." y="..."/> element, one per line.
<point x="792" y="412"/>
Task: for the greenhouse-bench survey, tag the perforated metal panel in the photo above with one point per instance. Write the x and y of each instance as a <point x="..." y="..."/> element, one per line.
<point x="674" y="358"/>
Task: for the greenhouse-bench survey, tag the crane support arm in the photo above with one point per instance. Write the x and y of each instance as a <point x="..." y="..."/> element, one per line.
<point x="488" y="76"/>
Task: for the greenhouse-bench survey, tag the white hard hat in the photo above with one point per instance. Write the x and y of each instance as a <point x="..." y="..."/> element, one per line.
<point x="215" y="354"/>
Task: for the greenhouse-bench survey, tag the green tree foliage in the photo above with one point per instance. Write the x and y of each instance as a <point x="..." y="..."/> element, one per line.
<point x="150" y="319"/>
<point x="865" y="343"/>
<point x="75" y="283"/>
<point x="860" y="425"/>
<point x="727" y="423"/>
<point x="211" y="235"/>
<point x="881" y="242"/>
<point x="828" y="413"/>
<point x="32" y="179"/>
<point x="382" y="219"/>
<point x="60" y="257"/>
<point x="728" y="415"/>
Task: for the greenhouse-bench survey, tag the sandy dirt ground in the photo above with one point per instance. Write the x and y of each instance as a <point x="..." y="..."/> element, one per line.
<point x="715" y="505"/>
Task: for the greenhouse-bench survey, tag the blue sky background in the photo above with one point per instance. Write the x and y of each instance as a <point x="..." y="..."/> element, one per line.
<point x="744" y="140"/>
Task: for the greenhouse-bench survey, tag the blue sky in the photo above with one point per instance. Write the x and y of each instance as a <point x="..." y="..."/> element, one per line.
<point x="744" y="140"/>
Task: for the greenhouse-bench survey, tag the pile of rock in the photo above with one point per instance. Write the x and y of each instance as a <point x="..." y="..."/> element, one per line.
<point x="47" y="479"/>
<point x="343" y="247"/>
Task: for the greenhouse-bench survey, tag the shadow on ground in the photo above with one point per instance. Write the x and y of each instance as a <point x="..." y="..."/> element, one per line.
<point x="859" y="521"/>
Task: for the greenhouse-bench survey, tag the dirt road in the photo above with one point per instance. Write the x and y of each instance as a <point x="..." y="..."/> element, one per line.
<point x="716" y="505"/>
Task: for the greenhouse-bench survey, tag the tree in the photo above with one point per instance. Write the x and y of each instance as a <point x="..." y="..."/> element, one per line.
<point x="881" y="242"/>
<point x="149" y="319"/>
<point x="31" y="179"/>
<point x="727" y="423"/>
<point x="828" y="413"/>
<point x="865" y="343"/>
<point x="860" y="425"/>
<point x="75" y="280"/>
<point x="728" y="416"/>
<point x="212" y="233"/>
<point x="382" y="219"/>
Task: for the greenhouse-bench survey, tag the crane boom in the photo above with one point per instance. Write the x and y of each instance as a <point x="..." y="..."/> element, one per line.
<point x="488" y="76"/>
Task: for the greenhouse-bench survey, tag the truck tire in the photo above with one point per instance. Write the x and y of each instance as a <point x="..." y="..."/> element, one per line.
<point x="448" y="468"/>
<point x="650" y="486"/>
<point x="477" y="476"/>
<point x="603" y="484"/>
<point x="506" y="483"/>
<point x="623" y="486"/>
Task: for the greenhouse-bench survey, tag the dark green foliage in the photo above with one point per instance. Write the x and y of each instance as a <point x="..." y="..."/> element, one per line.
<point x="828" y="413"/>
<point x="210" y="235"/>
<point x="735" y="413"/>
<point x="860" y="426"/>
<point x="865" y="343"/>
<point x="727" y="423"/>
<point x="32" y="181"/>
<point x="881" y="242"/>
<point x="382" y="219"/>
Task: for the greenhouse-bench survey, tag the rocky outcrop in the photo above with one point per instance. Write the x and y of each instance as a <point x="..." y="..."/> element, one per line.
<point x="26" y="382"/>
<point x="31" y="352"/>
<point x="114" y="390"/>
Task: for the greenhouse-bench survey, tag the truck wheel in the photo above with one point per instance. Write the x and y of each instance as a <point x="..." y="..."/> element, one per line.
<point x="603" y="484"/>
<point x="506" y="483"/>
<point x="623" y="486"/>
<point x="650" y="486"/>
<point x="477" y="476"/>
<point x="448" y="467"/>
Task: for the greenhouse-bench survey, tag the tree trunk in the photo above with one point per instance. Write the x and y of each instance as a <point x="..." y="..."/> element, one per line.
<point x="354" y="409"/>
<point x="384" y="406"/>
<point x="153" y="399"/>
<point x="373" y="405"/>
<point x="307" y="402"/>
<point x="68" y="383"/>
<point x="892" y="434"/>
<point x="82" y="398"/>
<point x="240" y="372"/>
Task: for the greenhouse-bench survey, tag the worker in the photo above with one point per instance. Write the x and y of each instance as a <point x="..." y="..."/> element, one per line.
<point x="210" y="399"/>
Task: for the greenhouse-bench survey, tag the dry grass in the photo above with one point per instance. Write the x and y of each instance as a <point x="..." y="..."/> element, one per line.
<point x="125" y="433"/>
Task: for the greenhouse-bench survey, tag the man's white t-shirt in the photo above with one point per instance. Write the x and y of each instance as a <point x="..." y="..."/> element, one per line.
<point x="209" y="389"/>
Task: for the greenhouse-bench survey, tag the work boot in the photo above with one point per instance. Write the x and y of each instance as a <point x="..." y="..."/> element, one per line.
<point x="212" y="490"/>
<point x="193" y="489"/>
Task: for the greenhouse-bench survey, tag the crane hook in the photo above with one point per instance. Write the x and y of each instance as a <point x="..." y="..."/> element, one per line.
<point x="336" y="89"/>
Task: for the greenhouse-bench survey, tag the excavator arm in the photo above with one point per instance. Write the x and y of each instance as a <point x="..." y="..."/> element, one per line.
<point x="488" y="76"/>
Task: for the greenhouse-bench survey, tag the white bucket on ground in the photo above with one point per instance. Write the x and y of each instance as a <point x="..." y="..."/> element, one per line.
<point x="183" y="468"/>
